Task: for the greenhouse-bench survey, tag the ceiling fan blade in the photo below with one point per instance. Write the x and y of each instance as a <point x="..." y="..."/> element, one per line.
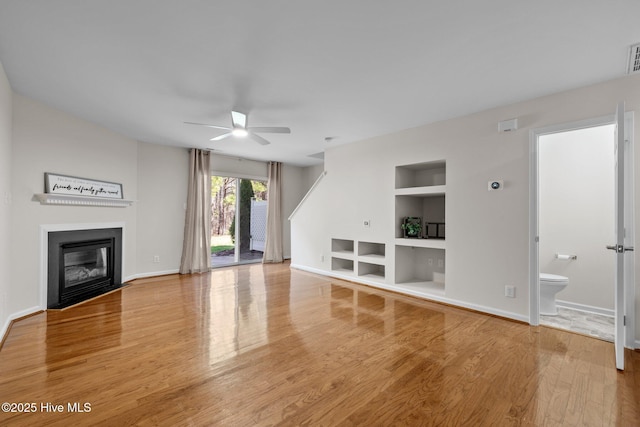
<point x="259" y="139"/>
<point x="269" y="129"/>
<point x="239" y="119"/>
<point x="221" y="137"/>
<point x="209" y="126"/>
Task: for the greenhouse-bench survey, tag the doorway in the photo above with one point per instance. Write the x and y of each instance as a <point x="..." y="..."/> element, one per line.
<point x="575" y="223"/>
<point x="238" y="220"/>
<point x="622" y="237"/>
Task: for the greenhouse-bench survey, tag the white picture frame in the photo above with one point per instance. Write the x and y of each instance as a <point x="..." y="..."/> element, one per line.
<point x="75" y="186"/>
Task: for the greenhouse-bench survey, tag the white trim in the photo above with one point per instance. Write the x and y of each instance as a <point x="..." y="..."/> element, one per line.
<point x="149" y="274"/>
<point x="630" y="292"/>
<point x="586" y="308"/>
<point x="240" y="176"/>
<point x="534" y="267"/>
<point x="429" y="297"/>
<point x="45" y="229"/>
<point x="73" y="200"/>
<point x="14" y="316"/>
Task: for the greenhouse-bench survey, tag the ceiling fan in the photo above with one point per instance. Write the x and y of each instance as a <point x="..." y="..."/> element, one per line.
<point x="240" y="129"/>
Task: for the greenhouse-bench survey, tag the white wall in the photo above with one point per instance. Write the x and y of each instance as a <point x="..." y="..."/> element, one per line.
<point x="6" y="112"/>
<point x="162" y="193"/>
<point x="311" y="175"/>
<point x="48" y="140"/>
<point x="487" y="245"/>
<point x="293" y="189"/>
<point x="577" y="213"/>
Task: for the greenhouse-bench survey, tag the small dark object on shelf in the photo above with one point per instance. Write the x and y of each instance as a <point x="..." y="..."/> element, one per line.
<point x="435" y="230"/>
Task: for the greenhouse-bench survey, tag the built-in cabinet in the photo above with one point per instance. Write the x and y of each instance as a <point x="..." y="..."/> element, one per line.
<point x="418" y="263"/>
<point x="420" y="191"/>
<point x="358" y="258"/>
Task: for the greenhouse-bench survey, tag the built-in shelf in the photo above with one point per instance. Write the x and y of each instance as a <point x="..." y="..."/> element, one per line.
<point x="422" y="243"/>
<point x="341" y="265"/>
<point x="373" y="271"/>
<point x="70" y="200"/>
<point x="367" y="262"/>
<point x="434" y="190"/>
<point x="373" y="259"/>
<point x="420" y="192"/>
<point x="426" y="174"/>
<point x="371" y="249"/>
<point x="342" y="246"/>
<point x="418" y="265"/>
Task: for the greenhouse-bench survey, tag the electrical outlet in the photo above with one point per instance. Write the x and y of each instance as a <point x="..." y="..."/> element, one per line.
<point x="510" y="291"/>
<point x="430" y="262"/>
<point x="156" y="258"/>
<point x="440" y="263"/>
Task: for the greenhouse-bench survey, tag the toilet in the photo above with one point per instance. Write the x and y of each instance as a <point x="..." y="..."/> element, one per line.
<point x="550" y="285"/>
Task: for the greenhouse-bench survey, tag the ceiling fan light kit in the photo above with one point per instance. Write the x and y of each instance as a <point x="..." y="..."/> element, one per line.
<point x="241" y="130"/>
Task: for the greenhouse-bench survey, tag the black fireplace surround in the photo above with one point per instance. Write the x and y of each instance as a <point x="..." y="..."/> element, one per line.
<point x="83" y="264"/>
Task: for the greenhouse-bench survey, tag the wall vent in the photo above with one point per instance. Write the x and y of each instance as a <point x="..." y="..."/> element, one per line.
<point x="634" y="59"/>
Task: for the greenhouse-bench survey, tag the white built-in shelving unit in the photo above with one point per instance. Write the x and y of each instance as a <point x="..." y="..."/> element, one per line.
<point x="420" y="191"/>
<point x="342" y="256"/>
<point x="367" y="262"/>
<point x="371" y="260"/>
<point x="418" y="264"/>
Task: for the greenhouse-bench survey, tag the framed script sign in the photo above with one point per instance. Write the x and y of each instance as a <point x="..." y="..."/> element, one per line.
<point x="74" y="186"/>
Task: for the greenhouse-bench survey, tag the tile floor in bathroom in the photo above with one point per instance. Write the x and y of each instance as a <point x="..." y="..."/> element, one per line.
<point x="595" y="325"/>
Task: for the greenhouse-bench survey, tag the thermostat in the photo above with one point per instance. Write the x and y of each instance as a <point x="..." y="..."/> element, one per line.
<point x="496" y="185"/>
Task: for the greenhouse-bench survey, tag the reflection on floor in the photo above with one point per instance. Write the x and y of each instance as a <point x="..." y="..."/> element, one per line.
<point x="594" y="325"/>
<point x="246" y="257"/>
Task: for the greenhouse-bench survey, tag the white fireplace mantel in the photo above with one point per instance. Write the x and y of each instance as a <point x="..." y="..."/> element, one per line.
<point x="71" y="200"/>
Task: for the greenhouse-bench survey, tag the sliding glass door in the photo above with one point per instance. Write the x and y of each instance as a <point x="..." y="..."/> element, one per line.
<point x="238" y="220"/>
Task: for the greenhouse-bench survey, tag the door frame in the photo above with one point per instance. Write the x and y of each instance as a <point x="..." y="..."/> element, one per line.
<point x="238" y="177"/>
<point x="534" y="262"/>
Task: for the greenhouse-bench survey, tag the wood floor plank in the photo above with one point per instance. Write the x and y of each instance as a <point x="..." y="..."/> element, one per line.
<point x="267" y="345"/>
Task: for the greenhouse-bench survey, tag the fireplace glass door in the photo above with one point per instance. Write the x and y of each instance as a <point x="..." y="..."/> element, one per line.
<point x="87" y="266"/>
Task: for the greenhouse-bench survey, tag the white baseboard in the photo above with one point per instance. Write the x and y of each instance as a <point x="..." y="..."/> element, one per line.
<point x="14" y="316"/>
<point x="149" y="274"/>
<point x="426" y="296"/>
<point x="585" y="308"/>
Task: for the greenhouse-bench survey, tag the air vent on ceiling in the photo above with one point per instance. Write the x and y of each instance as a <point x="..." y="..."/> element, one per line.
<point x="634" y="59"/>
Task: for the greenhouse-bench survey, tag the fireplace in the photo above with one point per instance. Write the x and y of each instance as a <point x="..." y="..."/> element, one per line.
<point x="82" y="264"/>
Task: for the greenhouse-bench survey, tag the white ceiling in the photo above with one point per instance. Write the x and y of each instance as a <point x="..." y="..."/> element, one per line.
<point x="346" y="69"/>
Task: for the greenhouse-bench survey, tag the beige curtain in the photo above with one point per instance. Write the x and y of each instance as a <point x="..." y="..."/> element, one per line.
<point x="273" y="243"/>
<point x="196" y="246"/>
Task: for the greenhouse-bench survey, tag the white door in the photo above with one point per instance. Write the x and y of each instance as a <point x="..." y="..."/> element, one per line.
<point x="619" y="245"/>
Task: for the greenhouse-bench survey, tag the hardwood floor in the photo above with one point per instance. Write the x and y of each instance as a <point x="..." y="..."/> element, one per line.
<point x="266" y="345"/>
